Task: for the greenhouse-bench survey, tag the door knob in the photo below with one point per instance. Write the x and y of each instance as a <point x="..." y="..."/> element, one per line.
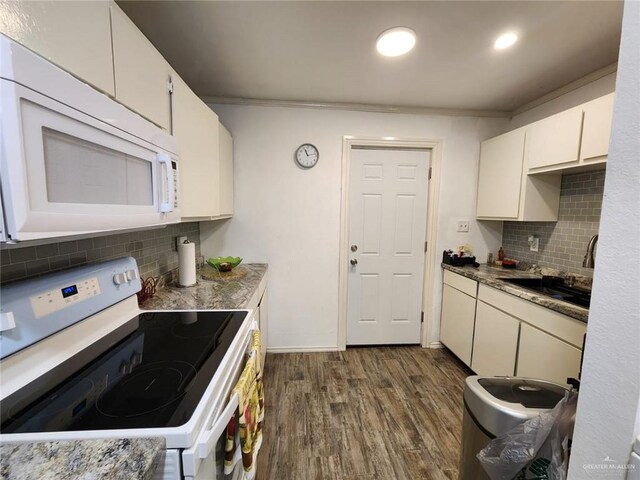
<point x="354" y="248"/>
<point x="354" y="262"/>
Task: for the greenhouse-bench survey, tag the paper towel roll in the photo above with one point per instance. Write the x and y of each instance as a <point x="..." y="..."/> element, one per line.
<point x="187" y="264"/>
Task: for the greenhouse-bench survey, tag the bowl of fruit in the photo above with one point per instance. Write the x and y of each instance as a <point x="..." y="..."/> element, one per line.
<point x="224" y="264"/>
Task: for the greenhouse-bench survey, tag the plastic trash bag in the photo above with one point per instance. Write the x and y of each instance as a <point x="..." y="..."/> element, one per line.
<point x="536" y="449"/>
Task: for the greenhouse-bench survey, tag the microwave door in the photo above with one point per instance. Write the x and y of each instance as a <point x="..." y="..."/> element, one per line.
<point x="79" y="175"/>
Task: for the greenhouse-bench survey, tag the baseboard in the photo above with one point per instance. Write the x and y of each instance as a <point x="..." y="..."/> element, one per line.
<point x="436" y="345"/>
<point x="301" y="349"/>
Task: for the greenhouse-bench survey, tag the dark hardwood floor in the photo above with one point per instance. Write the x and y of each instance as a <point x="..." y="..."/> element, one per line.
<point x="388" y="413"/>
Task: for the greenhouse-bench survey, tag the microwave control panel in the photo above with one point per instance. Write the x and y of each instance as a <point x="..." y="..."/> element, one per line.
<point x="58" y="298"/>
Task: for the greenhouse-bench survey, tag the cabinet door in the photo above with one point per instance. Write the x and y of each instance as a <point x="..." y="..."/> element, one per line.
<point x="141" y="73"/>
<point x="596" y="130"/>
<point x="495" y="342"/>
<point x="226" y="171"/>
<point x="195" y="127"/>
<point x="456" y="322"/>
<point x="500" y="176"/>
<point x="542" y="356"/>
<point x="76" y="36"/>
<point x="555" y="141"/>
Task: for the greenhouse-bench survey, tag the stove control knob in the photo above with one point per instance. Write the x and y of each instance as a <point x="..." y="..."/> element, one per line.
<point x="119" y="278"/>
<point x="132" y="274"/>
<point x="126" y="368"/>
<point x="136" y="359"/>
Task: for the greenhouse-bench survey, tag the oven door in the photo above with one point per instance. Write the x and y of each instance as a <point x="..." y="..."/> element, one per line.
<point x="65" y="172"/>
<point x="205" y="460"/>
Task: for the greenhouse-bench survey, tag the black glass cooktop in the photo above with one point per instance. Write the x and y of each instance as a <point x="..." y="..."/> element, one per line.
<point x="150" y="373"/>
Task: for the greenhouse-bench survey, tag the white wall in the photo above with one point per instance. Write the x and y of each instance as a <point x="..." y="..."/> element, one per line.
<point x="290" y="217"/>
<point x="609" y="397"/>
<point x="590" y="91"/>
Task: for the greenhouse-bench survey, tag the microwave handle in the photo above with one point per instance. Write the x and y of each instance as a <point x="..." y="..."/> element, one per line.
<point x="208" y="440"/>
<point x="163" y="159"/>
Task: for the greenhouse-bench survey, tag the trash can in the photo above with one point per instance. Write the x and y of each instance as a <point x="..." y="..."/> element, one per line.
<point x="493" y="406"/>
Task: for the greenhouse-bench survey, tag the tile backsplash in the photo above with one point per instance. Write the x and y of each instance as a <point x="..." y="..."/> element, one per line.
<point x="563" y="243"/>
<point x="154" y="250"/>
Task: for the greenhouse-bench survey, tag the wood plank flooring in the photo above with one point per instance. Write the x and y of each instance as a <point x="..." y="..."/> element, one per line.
<point x="388" y="413"/>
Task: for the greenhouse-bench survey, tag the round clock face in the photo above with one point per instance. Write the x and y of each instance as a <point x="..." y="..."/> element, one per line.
<point x="307" y="155"/>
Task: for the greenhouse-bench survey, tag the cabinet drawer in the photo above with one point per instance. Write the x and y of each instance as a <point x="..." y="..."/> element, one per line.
<point x="464" y="284"/>
<point x="568" y="329"/>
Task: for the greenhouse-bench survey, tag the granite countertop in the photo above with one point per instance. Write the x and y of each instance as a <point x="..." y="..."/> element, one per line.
<point x="491" y="276"/>
<point x="132" y="459"/>
<point x="223" y="292"/>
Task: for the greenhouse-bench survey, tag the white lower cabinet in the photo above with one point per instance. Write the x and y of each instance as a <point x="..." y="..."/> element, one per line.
<point x="457" y="322"/>
<point x="495" y="342"/>
<point x="498" y="334"/>
<point x="543" y="356"/>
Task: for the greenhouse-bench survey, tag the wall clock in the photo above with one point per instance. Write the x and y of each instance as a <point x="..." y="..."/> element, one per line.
<point x="307" y="155"/>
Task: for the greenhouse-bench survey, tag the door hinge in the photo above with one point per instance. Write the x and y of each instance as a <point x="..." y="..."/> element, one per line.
<point x="429" y="173"/>
<point x="425" y="246"/>
<point x="421" y="317"/>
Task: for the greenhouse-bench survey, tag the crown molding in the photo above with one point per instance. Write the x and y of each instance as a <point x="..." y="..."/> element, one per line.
<point x="358" y="107"/>
<point x="569" y="87"/>
<point x="457" y="112"/>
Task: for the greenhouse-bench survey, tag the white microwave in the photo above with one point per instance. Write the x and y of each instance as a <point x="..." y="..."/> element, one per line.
<point x="72" y="160"/>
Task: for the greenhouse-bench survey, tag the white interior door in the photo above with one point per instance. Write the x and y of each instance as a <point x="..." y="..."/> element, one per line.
<point x="387" y="227"/>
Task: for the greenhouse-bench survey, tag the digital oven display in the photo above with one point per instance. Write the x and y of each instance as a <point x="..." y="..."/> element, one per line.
<point x="69" y="291"/>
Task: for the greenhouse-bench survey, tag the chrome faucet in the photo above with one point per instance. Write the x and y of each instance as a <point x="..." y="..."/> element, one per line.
<point x="588" y="261"/>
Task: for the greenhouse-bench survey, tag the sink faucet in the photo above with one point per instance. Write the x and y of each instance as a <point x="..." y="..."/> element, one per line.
<point x="588" y="261"/>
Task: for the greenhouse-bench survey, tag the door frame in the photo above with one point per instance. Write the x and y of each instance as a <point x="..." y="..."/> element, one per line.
<point x="433" y="145"/>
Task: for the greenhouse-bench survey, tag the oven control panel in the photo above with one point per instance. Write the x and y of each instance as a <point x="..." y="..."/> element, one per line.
<point x="63" y="297"/>
<point x="37" y="308"/>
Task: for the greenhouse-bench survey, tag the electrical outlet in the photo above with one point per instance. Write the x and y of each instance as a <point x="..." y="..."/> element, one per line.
<point x="534" y="243"/>
<point x="463" y="225"/>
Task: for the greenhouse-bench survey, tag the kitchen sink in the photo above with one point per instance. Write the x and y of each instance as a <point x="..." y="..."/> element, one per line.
<point x="554" y="287"/>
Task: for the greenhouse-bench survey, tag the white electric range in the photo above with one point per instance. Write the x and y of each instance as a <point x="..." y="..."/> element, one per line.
<point x="80" y="361"/>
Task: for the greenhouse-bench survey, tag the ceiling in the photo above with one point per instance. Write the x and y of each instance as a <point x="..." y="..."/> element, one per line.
<point x="324" y="51"/>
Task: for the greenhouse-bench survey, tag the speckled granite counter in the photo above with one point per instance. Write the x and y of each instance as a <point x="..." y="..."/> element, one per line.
<point x="210" y="294"/>
<point x="491" y="276"/>
<point x="86" y="459"/>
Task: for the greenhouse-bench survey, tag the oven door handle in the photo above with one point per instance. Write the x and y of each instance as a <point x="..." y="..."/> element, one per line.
<point x="210" y="437"/>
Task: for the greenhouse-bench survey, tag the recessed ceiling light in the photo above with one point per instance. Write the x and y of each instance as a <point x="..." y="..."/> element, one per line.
<point x="396" y="41"/>
<point x="505" y="41"/>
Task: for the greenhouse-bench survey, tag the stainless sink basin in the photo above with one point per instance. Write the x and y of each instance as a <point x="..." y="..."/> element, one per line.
<point x="554" y="287"/>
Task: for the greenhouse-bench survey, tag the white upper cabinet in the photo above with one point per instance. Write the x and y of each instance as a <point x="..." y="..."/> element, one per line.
<point x="226" y="172"/>
<point x="596" y="130"/>
<point x="195" y="127"/>
<point x="577" y="138"/>
<point x="505" y="191"/>
<point x="141" y="73"/>
<point x="500" y="175"/>
<point x="76" y="36"/>
<point x="555" y="140"/>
